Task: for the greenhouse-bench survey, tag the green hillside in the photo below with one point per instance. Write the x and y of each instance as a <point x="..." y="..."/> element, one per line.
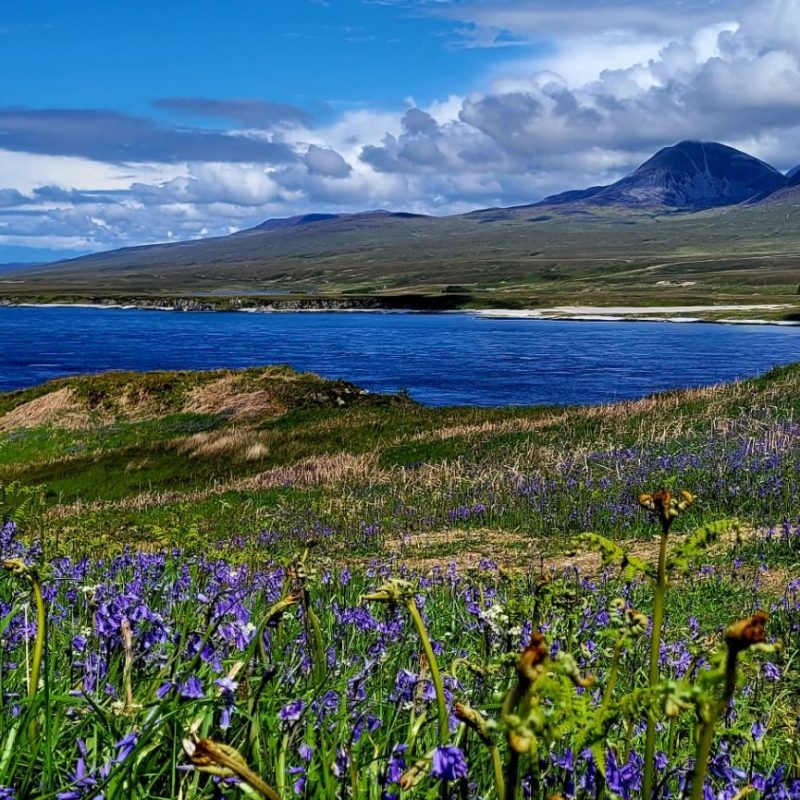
<point x="527" y="256"/>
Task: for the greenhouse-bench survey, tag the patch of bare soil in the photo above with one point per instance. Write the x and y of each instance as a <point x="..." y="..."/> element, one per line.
<point x="466" y="547"/>
<point x="518" y="552"/>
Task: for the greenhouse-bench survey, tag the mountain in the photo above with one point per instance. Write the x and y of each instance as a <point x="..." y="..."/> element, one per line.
<point x="788" y="194"/>
<point x="282" y="223"/>
<point x="690" y="176"/>
<point x="628" y="228"/>
<point x="17" y="266"/>
<point x="572" y="196"/>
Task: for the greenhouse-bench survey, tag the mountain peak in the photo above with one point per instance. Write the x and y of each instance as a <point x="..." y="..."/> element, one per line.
<point x="690" y="175"/>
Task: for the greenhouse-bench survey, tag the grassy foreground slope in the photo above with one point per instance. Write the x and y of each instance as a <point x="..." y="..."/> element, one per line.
<point x="221" y="641"/>
<point x="194" y="457"/>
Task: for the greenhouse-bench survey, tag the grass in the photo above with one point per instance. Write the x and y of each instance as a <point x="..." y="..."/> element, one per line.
<point x="163" y="548"/>
<point x="350" y="709"/>
<point x="345" y="462"/>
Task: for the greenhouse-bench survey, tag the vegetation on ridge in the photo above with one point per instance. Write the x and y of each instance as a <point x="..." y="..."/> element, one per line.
<point x="518" y="257"/>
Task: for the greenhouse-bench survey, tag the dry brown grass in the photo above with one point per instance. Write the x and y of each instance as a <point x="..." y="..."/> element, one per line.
<point x="236" y="444"/>
<point x="230" y="396"/>
<point x="323" y="470"/>
<point x="334" y="470"/>
<point x="489" y="427"/>
<point x="55" y="408"/>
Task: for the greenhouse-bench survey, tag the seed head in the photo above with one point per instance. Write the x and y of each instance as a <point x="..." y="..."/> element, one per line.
<point x="746" y="632"/>
<point x="664" y="506"/>
<point x="532" y="656"/>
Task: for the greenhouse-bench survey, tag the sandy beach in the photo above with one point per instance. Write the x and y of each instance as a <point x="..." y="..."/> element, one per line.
<point x="680" y="314"/>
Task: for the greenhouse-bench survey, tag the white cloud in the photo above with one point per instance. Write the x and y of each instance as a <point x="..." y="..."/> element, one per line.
<point x="614" y="81"/>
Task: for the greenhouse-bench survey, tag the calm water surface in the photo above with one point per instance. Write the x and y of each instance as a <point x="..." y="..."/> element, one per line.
<point x="442" y="359"/>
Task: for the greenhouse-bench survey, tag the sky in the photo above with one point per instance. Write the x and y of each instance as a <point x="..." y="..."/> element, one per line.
<point x="131" y="123"/>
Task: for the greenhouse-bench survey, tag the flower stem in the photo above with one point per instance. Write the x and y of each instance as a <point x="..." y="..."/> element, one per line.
<point x="701" y="759"/>
<point x="705" y="736"/>
<point x="444" y="718"/>
<point x="499" y="780"/>
<point x="612" y="677"/>
<point x="655" y="653"/>
<point x="512" y="699"/>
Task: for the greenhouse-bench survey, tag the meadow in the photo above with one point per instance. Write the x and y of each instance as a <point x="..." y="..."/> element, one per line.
<point x="261" y="583"/>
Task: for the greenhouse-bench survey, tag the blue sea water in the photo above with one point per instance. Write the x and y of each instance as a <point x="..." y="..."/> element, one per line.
<point x="442" y="359"/>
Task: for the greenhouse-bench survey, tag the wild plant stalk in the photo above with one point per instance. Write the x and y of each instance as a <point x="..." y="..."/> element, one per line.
<point x="738" y="637"/>
<point x="659" y="599"/>
<point x="19" y="567"/>
<point x="436" y="677"/>
<point x="398" y="591"/>
<point x="527" y="668"/>
<point x="666" y="509"/>
<point x="476" y="722"/>
<point x="224" y="761"/>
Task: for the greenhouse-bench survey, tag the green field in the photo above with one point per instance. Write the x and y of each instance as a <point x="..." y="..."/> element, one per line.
<point x="157" y="457"/>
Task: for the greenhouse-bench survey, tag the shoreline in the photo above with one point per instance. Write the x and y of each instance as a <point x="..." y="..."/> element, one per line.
<point x="664" y="314"/>
<point x="672" y="314"/>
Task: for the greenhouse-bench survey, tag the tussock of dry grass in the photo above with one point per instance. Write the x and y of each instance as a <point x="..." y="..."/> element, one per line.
<point x="55" y="408"/>
<point x="317" y="471"/>
<point x="237" y="444"/>
<point x="228" y="396"/>
<point x="489" y="427"/>
<point x="324" y="470"/>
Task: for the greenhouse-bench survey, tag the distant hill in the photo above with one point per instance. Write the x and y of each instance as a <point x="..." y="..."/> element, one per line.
<point x="16" y="266"/>
<point x="309" y="219"/>
<point x="703" y="211"/>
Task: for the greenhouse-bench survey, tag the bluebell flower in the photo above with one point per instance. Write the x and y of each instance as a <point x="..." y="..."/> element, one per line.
<point x="292" y="711"/>
<point x="192" y="688"/>
<point x="397" y="764"/>
<point x="449" y="763"/>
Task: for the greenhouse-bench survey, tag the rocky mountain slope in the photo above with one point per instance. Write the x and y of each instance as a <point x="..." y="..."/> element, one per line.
<point x="689" y="175"/>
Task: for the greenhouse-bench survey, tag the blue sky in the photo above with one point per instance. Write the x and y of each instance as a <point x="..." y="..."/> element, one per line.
<point x="128" y="123"/>
<point x="313" y="54"/>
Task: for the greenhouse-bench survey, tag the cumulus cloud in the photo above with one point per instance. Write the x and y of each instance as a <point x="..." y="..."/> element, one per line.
<point x="602" y="86"/>
<point x="327" y="162"/>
